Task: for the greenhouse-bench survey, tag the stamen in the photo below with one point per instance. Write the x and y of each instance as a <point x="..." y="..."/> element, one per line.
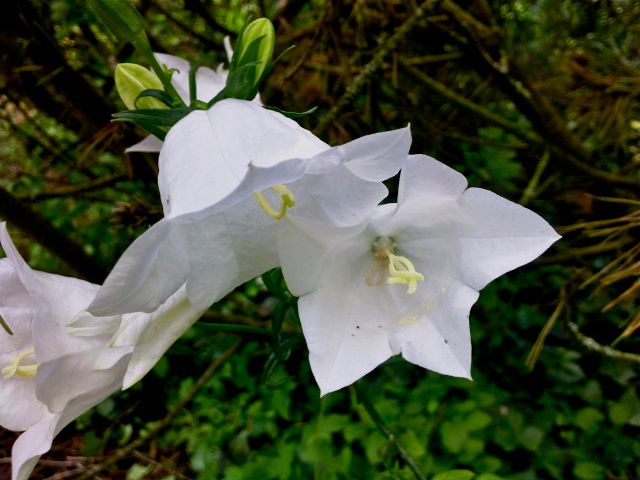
<point x="401" y="269"/>
<point x="287" y="201"/>
<point x="15" y="368"/>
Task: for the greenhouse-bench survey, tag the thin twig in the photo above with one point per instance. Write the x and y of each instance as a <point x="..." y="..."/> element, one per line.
<point x="69" y="190"/>
<point x="530" y="192"/>
<point x="377" y="419"/>
<point x="536" y="350"/>
<point x="374" y="64"/>
<point x="152" y="432"/>
<point x="590" y="344"/>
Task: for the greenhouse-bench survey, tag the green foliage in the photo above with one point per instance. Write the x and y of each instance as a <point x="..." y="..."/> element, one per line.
<point x="576" y="415"/>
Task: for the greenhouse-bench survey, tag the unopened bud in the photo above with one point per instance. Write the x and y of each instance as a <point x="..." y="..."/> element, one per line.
<point x="133" y="79"/>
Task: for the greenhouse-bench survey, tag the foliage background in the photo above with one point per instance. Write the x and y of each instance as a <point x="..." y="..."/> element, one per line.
<point x="534" y="99"/>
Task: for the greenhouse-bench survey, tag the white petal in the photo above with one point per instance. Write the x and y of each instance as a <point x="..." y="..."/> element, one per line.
<point x="209" y="82"/>
<point x="31" y="444"/>
<point x="180" y="77"/>
<point x="379" y="156"/>
<point x="427" y="181"/>
<point x="206" y="154"/>
<point x="88" y="385"/>
<point x="150" y="143"/>
<point x="477" y="238"/>
<point x="435" y="335"/>
<point x="305" y="246"/>
<point x="338" y="197"/>
<point x="228" y="48"/>
<point x="24" y="272"/>
<point x="152" y="335"/>
<point x="345" y="322"/>
<point x="98" y="385"/>
<point x="153" y="267"/>
<point x="212" y="252"/>
<point x="19" y="407"/>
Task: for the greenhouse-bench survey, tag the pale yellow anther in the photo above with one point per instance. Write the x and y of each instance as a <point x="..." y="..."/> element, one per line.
<point x="287" y="201"/>
<point x="24" y="371"/>
<point x="401" y="269"/>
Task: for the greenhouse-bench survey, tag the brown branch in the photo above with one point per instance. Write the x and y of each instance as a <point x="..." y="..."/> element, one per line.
<point x="69" y="190"/>
<point x="19" y="214"/>
<point x="590" y="344"/>
<point x="374" y="64"/>
<point x="544" y="117"/>
<point x="466" y="104"/>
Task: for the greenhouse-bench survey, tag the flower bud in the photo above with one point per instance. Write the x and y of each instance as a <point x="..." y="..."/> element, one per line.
<point x="256" y="45"/>
<point x="251" y="60"/>
<point x="133" y="79"/>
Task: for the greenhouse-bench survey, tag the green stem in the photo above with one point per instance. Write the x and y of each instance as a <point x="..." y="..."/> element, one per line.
<point x="162" y="75"/>
<point x="377" y="419"/>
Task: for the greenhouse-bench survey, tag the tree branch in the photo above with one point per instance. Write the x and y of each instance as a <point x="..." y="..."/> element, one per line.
<point x="42" y="231"/>
<point x="374" y="64"/>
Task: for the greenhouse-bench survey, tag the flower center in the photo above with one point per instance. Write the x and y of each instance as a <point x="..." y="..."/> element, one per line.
<point x="287" y="201"/>
<point x="24" y="371"/>
<point x="401" y="269"/>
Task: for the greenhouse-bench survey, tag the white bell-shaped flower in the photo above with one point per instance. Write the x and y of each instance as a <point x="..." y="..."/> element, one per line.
<point x="227" y="176"/>
<point x="403" y="282"/>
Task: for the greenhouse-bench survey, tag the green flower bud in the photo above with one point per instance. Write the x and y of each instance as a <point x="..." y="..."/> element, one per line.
<point x="256" y="44"/>
<point x="253" y="52"/>
<point x="133" y="79"/>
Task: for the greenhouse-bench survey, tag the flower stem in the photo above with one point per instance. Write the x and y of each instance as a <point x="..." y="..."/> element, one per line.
<point x="377" y="419"/>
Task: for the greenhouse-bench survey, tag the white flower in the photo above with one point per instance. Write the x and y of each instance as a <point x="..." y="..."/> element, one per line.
<point x="146" y="335"/>
<point x="404" y="281"/>
<point x="48" y="377"/>
<point x="208" y="84"/>
<point x="221" y="173"/>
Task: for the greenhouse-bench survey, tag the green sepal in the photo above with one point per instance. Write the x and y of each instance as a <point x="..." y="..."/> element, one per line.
<point x="239" y="85"/>
<point x="291" y="114"/>
<point x="159" y="95"/>
<point x="154" y="120"/>
<point x="159" y="117"/>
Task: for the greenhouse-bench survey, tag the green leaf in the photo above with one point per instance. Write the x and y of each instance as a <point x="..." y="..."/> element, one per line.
<point x="588" y="418"/>
<point x="585" y="470"/>
<point x="455" y="475"/>
<point x="531" y="438"/>
<point x="622" y="411"/>
<point x="122" y="19"/>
